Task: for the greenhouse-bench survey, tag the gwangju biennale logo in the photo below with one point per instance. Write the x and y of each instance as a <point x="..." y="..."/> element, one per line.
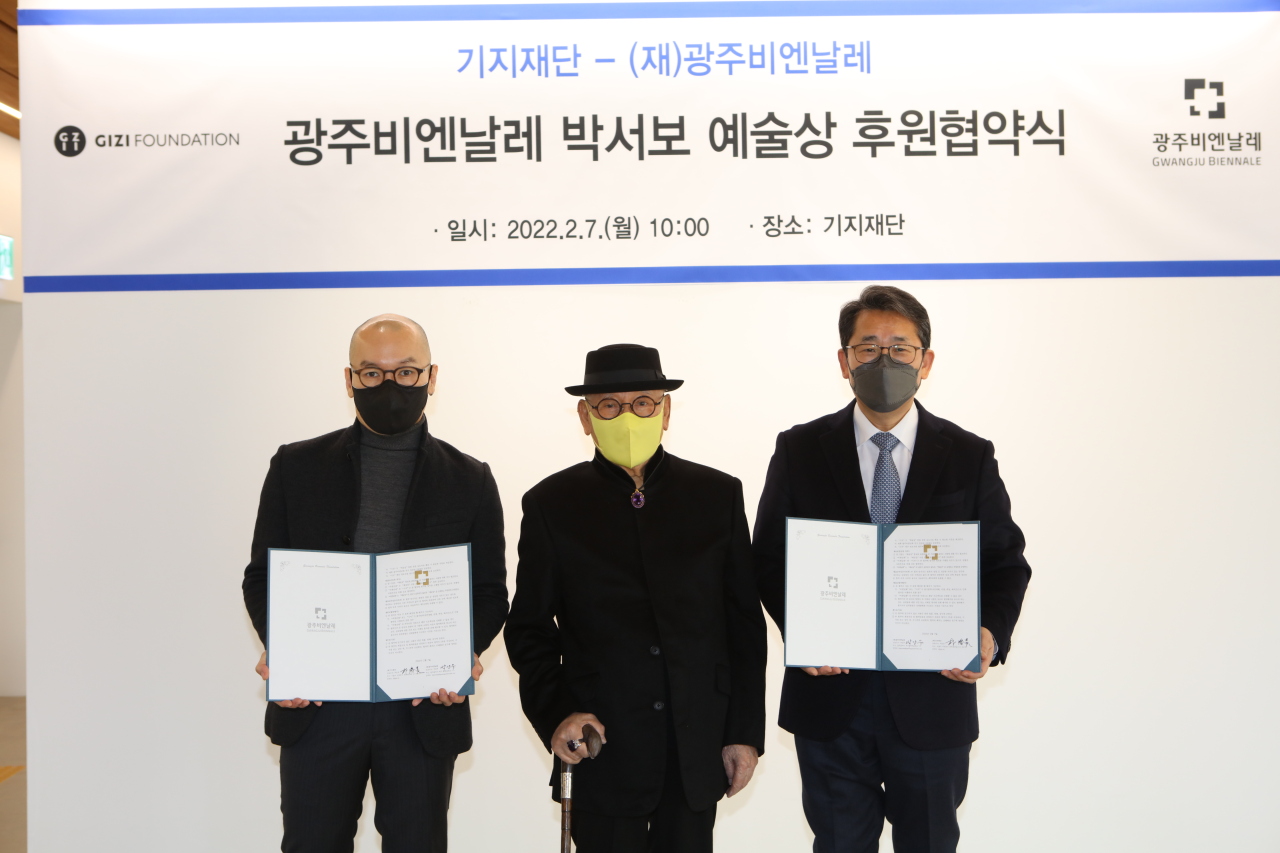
<point x="1193" y="86"/>
<point x="321" y="622"/>
<point x="69" y="140"/>
<point x="1205" y="137"/>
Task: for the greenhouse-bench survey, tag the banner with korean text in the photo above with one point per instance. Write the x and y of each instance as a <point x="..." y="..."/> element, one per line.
<point x="645" y="142"/>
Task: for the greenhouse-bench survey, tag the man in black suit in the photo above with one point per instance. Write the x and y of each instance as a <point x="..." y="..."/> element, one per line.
<point x="636" y="610"/>
<point x="892" y="745"/>
<point x="382" y="484"/>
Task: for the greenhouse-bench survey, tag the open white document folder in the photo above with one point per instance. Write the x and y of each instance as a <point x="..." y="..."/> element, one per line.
<point x="883" y="596"/>
<point x="347" y="627"/>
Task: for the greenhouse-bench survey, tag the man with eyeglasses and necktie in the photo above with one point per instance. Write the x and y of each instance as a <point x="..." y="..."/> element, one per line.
<point x="385" y="483"/>
<point x="887" y="745"/>
<point x="636" y="611"/>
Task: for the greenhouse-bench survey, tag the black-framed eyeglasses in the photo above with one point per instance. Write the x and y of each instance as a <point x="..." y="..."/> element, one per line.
<point x="371" y="377"/>
<point x="867" y="353"/>
<point x="641" y="407"/>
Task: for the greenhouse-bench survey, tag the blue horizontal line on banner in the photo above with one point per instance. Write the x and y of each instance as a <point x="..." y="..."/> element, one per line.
<point x="645" y="275"/>
<point x="597" y="11"/>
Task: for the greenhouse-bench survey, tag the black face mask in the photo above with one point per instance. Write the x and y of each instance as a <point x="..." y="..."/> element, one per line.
<point x="884" y="385"/>
<point x="391" y="408"/>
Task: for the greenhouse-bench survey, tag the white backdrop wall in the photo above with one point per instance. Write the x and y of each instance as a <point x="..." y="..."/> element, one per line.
<point x="1136" y="712"/>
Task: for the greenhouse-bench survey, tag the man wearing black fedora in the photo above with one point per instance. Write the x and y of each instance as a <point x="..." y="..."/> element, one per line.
<point x="636" y="610"/>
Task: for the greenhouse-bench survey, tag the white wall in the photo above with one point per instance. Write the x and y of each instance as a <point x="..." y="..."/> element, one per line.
<point x="11" y="212"/>
<point x="12" y="616"/>
<point x="1137" y="712"/>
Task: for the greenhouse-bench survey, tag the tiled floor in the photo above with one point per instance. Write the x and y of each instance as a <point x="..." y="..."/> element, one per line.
<point x="13" y="791"/>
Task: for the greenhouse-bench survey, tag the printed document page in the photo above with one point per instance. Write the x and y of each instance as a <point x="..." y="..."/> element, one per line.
<point x="424" y="621"/>
<point x="318" y="626"/>
<point x="831" y="594"/>
<point x="931" y="596"/>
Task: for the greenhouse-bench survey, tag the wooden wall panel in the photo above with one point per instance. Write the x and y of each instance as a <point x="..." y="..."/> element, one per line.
<point x="9" y="64"/>
<point x="9" y="90"/>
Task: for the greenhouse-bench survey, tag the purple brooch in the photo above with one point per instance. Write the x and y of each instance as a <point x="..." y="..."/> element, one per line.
<point x="637" y="499"/>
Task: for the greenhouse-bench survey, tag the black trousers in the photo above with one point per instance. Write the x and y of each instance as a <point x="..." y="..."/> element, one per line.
<point x="867" y="775"/>
<point x="671" y="828"/>
<point x="323" y="777"/>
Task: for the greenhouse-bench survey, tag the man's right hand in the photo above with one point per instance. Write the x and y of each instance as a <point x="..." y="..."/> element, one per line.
<point x="824" y="670"/>
<point x="263" y="671"/>
<point x="571" y="729"/>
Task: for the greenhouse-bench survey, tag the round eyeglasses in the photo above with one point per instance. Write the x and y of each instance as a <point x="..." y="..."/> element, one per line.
<point x="372" y="377"/>
<point x="868" y="353"/>
<point x="641" y="407"/>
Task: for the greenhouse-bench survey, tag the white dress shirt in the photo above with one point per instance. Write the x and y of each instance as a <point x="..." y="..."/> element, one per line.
<point x="869" y="453"/>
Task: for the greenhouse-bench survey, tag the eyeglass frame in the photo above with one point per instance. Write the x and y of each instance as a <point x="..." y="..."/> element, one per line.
<point x="355" y="372"/>
<point x="882" y="347"/>
<point x="657" y="404"/>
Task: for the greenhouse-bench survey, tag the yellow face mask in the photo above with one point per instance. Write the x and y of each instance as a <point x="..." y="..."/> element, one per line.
<point x="627" y="440"/>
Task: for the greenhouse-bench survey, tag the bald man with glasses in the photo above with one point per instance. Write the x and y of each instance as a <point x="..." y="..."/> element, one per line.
<point x="385" y="483"/>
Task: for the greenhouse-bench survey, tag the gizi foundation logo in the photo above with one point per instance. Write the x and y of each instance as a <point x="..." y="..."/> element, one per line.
<point x="69" y="140"/>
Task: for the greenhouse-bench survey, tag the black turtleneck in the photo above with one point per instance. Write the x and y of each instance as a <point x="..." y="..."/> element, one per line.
<point x="386" y="472"/>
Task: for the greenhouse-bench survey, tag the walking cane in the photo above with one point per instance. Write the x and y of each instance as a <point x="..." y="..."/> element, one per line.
<point x="590" y="740"/>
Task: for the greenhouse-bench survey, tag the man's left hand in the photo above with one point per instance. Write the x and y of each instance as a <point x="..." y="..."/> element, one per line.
<point x="739" y="763"/>
<point x="964" y="676"/>
<point x="448" y="697"/>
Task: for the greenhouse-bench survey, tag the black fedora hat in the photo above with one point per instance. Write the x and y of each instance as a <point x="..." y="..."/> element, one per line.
<point x="623" y="367"/>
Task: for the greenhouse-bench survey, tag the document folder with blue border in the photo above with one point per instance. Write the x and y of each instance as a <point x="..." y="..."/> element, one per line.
<point x="836" y="595"/>
<point x="349" y="604"/>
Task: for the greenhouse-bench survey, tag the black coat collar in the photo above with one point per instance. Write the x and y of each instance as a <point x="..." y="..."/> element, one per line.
<point x="840" y="445"/>
<point x="653" y="470"/>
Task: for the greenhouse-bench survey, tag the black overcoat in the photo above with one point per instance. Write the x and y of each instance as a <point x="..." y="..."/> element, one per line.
<point x="636" y="614"/>
<point x="310" y="501"/>
<point x="814" y="473"/>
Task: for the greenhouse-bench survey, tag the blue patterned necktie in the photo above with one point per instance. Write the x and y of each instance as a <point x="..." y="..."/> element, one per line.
<point x="886" y="488"/>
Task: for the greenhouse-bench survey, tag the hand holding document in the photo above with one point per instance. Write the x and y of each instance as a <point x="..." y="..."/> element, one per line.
<point x="369" y="628"/>
<point x="883" y="596"/>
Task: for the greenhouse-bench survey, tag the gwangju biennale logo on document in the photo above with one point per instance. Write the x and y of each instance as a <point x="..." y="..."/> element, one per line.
<point x="321" y="622"/>
<point x="833" y="584"/>
<point x="422" y="577"/>
<point x="1203" y="142"/>
<point x="931" y="552"/>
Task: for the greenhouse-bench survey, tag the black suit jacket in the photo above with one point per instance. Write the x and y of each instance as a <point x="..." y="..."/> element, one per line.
<point x="310" y="501"/>
<point x="814" y="473"/>
<point x="619" y="609"/>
